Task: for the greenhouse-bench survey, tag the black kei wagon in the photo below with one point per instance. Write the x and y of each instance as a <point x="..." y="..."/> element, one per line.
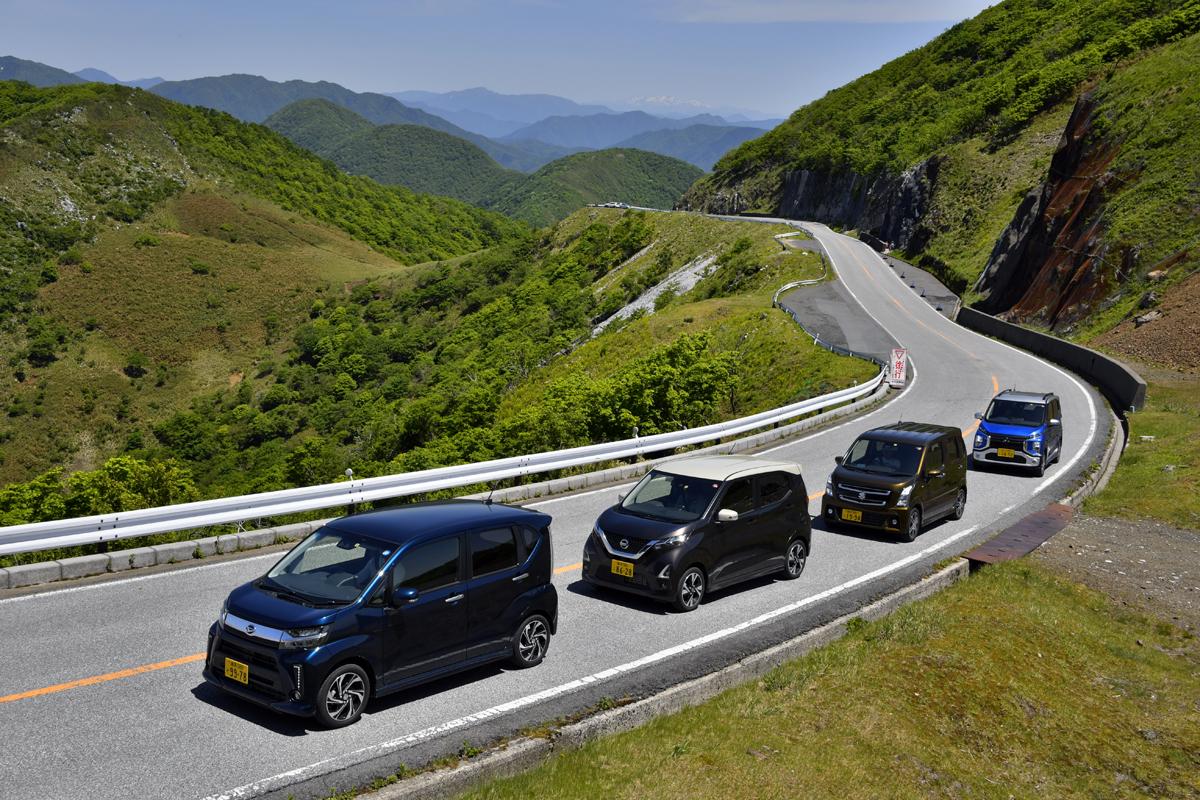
<point x="377" y="602"/>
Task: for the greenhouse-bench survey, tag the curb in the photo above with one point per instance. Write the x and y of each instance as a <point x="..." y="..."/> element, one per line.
<point x="522" y="754"/>
<point x="1099" y="477"/>
<point x="44" y="572"/>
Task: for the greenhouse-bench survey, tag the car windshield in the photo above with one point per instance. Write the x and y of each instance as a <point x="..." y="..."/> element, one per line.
<point x="675" y="498"/>
<point x="329" y="567"/>
<point x="883" y="457"/>
<point x="1014" y="412"/>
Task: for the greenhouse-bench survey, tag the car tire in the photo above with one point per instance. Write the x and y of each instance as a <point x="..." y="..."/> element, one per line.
<point x="689" y="589"/>
<point x="960" y="504"/>
<point x="914" y="525"/>
<point x="530" y="642"/>
<point x="343" y="696"/>
<point x="1040" y="469"/>
<point x="794" y="559"/>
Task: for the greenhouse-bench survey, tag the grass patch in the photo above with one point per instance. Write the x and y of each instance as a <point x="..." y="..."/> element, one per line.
<point x="1015" y="683"/>
<point x="1159" y="478"/>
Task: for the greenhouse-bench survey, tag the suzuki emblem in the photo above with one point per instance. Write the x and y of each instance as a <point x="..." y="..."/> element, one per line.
<point x="862" y="495"/>
<point x="624" y="544"/>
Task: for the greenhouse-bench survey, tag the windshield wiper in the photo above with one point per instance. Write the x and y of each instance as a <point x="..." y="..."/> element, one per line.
<point x="282" y="592"/>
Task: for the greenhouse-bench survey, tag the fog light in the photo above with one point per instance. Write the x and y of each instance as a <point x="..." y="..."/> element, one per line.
<point x="295" y="695"/>
<point x="665" y="573"/>
<point x="895" y="522"/>
<point x="829" y="512"/>
<point x="298" y="680"/>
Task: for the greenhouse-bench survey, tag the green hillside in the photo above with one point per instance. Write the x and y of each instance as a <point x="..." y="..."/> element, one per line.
<point x="153" y="251"/>
<point x="632" y="176"/>
<point x="18" y="69"/>
<point x="982" y="108"/>
<point x="254" y="98"/>
<point x="413" y="156"/>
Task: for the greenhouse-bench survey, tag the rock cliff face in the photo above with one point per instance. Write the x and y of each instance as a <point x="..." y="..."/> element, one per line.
<point x="1052" y="265"/>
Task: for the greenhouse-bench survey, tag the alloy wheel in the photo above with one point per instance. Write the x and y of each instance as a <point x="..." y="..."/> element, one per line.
<point x="914" y="524"/>
<point x="691" y="589"/>
<point x="346" y="696"/>
<point x="533" y="641"/>
<point x="960" y="503"/>
<point x="797" y="557"/>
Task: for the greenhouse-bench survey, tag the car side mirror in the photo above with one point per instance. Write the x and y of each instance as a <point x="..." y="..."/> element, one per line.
<point x="621" y="498"/>
<point x="978" y="415"/>
<point x="403" y="596"/>
<point x="727" y="515"/>
<point x="838" y="460"/>
<point x="935" y="473"/>
<point x="1054" y="423"/>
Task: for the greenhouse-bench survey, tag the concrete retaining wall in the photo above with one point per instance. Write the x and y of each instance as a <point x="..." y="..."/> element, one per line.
<point x="1123" y="387"/>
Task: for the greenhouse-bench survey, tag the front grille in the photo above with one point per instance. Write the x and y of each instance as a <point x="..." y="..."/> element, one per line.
<point x="247" y="655"/>
<point x="265" y="678"/>
<point x="1011" y="442"/>
<point x="632" y="545"/>
<point x="863" y="495"/>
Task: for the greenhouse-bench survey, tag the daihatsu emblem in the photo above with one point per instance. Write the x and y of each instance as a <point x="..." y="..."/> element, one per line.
<point x="249" y="629"/>
<point x="624" y="544"/>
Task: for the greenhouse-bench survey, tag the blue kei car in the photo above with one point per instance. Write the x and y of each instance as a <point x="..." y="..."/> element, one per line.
<point x="1022" y="429"/>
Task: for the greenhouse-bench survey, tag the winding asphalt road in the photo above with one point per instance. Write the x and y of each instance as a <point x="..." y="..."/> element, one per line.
<point x="138" y="721"/>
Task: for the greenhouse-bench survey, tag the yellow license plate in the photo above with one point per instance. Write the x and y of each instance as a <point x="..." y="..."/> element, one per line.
<point x="850" y="515"/>
<point x="237" y="671"/>
<point x="622" y="568"/>
<point x="1006" y="452"/>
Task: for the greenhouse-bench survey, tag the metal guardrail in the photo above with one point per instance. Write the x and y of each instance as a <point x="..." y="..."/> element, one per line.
<point x="143" y="522"/>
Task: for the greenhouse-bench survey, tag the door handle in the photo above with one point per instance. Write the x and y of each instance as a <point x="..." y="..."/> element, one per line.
<point x="521" y="577"/>
<point x="454" y="598"/>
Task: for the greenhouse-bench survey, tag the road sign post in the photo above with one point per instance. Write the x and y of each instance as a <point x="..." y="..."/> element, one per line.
<point x="898" y="368"/>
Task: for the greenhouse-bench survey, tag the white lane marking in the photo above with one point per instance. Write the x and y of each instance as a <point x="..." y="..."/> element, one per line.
<point x="549" y="500"/>
<point x="139" y="578"/>
<point x="372" y="751"/>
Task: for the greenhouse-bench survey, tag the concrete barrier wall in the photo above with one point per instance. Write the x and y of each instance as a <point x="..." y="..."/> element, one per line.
<point x="1123" y="387"/>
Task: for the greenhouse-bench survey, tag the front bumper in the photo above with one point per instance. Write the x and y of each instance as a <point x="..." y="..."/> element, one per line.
<point x="272" y="673"/>
<point x="890" y="519"/>
<point x="1020" y="458"/>
<point x="652" y="573"/>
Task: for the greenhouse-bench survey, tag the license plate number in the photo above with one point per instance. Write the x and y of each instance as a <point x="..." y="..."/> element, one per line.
<point x="622" y="568"/>
<point x="237" y="671"/>
<point x="1006" y="452"/>
<point x="850" y="515"/>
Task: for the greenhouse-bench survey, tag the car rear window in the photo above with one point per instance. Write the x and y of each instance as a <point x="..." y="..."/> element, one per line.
<point x="493" y="550"/>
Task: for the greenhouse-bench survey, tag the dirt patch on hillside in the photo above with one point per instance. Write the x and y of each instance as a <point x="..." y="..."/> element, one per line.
<point x="1144" y="564"/>
<point x="1171" y="340"/>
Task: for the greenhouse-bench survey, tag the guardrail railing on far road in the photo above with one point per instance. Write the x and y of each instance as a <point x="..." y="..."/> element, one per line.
<point x="143" y="522"/>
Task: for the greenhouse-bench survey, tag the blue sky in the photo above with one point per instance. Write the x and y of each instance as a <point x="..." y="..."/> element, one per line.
<point x="768" y="55"/>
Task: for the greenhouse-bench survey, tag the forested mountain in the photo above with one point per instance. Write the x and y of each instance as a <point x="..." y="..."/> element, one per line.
<point x="1040" y="156"/>
<point x="430" y="161"/>
<point x="701" y="145"/>
<point x="18" y="69"/>
<point x="491" y="113"/>
<point x="604" y="130"/>
<point x="153" y="250"/>
<point x="254" y="98"/>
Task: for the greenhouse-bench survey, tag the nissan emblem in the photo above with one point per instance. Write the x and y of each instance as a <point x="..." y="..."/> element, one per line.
<point x="624" y="544"/>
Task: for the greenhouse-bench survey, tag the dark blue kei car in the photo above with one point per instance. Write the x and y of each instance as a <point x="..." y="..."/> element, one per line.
<point x="377" y="602"/>
<point x="1022" y="429"/>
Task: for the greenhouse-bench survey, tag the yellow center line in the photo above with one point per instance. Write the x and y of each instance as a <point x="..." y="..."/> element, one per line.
<point x="95" y="679"/>
<point x="568" y="568"/>
<point x="995" y="385"/>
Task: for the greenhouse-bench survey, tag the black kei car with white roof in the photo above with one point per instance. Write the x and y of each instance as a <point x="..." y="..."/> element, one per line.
<point x="698" y="524"/>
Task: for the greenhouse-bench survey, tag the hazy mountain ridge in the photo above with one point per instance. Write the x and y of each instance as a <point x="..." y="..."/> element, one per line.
<point x="32" y="72"/>
<point x="604" y="130"/>
<point x="701" y="145"/>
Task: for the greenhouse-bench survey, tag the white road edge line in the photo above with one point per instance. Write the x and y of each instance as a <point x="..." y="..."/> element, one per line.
<point x="399" y="743"/>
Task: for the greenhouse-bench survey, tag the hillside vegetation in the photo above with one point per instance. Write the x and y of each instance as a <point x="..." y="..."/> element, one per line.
<point x="936" y="150"/>
<point x="701" y="145"/>
<point x="633" y="176"/>
<point x="153" y="251"/>
<point x="482" y="356"/>
<point x="426" y="160"/>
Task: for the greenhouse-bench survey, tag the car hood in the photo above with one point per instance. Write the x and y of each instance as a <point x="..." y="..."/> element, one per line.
<point x="859" y="478"/>
<point x="257" y="606"/>
<point x="1008" y="430"/>
<point x="618" y="524"/>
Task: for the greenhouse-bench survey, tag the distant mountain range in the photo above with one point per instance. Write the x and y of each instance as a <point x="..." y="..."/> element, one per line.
<point x="604" y="130"/>
<point x="702" y="145"/>
<point x="18" y="69"/>
<point x="494" y="114"/>
<point x="435" y="162"/>
<point x="100" y="76"/>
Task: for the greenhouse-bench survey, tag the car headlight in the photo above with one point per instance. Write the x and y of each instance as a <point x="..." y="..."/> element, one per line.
<point x="300" y="638"/>
<point x="224" y="614"/>
<point x="981" y="440"/>
<point x="670" y="541"/>
<point x="905" y="493"/>
<point x="829" y="485"/>
<point x="1034" y="443"/>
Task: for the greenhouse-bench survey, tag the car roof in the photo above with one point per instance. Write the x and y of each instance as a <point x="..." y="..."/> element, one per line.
<point x="403" y="524"/>
<point x="1025" y="397"/>
<point x="721" y="468"/>
<point x="910" y="432"/>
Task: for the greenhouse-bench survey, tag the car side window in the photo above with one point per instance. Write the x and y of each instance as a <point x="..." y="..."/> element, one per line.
<point x="429" y="566"/>
<point x="739" y="496"/>
<point x="529" y="538"/>
<point x="935" y="460"/>
<point x="492" y="550"/>
<point x="1055" y="411"/>
<point x="959" y="449"/>
<point x="773" y="487"/>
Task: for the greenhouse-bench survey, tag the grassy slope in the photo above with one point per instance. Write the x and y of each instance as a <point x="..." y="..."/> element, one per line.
<point x="1012" y="684"/>
<point x="197" y="272"/>
<point x="634" y="176"/>
<point x="991" y="94"/>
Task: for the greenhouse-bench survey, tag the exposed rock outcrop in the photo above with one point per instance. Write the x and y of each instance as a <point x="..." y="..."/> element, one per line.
<point x="1052" y="263"/>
